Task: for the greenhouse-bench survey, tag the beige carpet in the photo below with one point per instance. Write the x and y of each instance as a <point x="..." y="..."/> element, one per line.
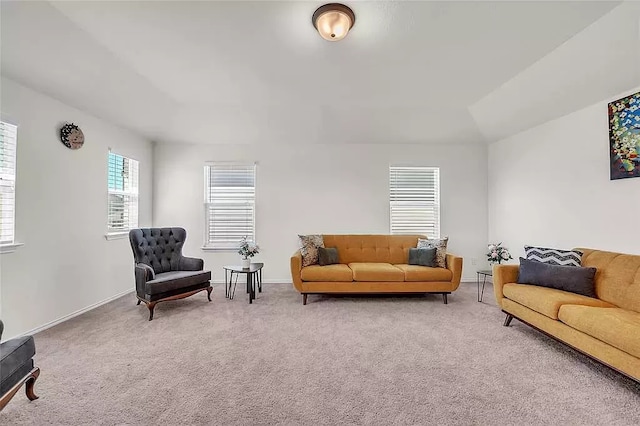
<point x="338" y="360"/>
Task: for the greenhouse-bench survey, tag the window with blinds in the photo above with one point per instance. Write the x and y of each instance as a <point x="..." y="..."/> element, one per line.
<point x="123" y="194"/>
<point x="230" y="204"/>
<point x="414" y="200"/>
<point x="8" y="145"/>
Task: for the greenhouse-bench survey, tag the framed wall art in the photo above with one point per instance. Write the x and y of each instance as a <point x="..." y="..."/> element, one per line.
<point x="624" y="137"/>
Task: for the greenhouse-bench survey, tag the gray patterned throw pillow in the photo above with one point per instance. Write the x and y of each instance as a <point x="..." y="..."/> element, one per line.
<point x="441" y="249"/>
<point x="309" y="245"/>
<point x="554" y="256"/>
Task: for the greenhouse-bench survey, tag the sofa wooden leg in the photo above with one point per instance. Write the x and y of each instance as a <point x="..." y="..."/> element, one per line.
<point x="151" y="306"/>
<point x="31" y="381"/>
<point x="138" y="302"/>
<point x="444" y="298"/>
<point x="209" y="290"/>
<point x="507" y="320"/>
<point x="304" y="298"/>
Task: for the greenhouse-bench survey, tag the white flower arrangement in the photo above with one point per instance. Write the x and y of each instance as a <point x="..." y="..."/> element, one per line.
<point x="248" y="249"/>
<point x="498" y="254"/>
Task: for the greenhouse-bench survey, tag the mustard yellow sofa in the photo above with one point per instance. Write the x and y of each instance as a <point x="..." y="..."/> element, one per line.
<point x="606" y="328"/>
<point x="374" y="264"/>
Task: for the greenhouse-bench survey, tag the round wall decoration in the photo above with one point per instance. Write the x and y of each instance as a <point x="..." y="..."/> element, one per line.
<point x="71" y="136"/>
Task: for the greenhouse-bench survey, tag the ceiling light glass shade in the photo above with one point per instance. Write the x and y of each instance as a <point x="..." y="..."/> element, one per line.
<point x="333" y="21"/>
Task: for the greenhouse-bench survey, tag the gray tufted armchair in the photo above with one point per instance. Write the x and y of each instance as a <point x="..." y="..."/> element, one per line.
<point x="162" y="272"/>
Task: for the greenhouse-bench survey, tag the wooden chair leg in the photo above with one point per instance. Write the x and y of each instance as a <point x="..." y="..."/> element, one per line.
<point x="507" y="320"/>
<point x="304" y="298"/>
<point x="31" y="382"/>
<point x="151" y="306"/>
<point x="209" y="290"/>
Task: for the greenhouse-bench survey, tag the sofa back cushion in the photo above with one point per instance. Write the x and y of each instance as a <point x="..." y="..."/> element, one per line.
<point x="160" y="248"/>
<point x="617" y="277"/>
<point x="372" y="248"/>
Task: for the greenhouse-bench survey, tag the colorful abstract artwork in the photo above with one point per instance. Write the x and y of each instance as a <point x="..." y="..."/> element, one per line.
<point x="624" y="137"/>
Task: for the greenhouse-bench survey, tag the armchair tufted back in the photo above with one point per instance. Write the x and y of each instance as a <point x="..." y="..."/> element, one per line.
<point x="160" y="248"/>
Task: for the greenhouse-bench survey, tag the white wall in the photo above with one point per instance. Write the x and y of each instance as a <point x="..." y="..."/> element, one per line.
<point x="65" y="264"/>
<point x="583" y="70"/>
<point x="331" y="189"/>
<point x="550" y="186"/>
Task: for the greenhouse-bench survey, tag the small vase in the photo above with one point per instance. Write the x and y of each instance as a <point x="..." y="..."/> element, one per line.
<point x="246" y="263"/>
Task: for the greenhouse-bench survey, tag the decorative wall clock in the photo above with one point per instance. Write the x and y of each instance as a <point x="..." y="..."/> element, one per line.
<point x="71" y="136"/>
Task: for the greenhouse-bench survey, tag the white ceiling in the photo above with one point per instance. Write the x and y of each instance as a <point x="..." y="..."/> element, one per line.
<point x="257" y="72"/>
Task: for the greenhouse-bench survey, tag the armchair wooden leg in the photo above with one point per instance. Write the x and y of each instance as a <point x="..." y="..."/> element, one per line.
<point x="209" y="290"/>
<point x="507" y="320"/>
<point x="444" y="298"/>
<point x="151" y="306"/>
<point x="31" y="381"/>
<point x="304" y="298"/>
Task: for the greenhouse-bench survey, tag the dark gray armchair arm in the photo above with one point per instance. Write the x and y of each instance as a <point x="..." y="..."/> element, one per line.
<point x="191" y="264"/>
<point x="144" y="273"/>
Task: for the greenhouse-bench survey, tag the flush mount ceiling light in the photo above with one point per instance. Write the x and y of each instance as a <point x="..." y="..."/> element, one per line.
<point x="333" y="21"/>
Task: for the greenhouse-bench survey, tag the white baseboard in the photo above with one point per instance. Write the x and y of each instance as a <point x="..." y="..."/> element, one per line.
<point x="73" y="314"/>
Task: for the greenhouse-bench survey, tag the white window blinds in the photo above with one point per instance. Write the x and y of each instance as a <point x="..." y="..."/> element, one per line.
<point x="414" y="200"/>
<point x="230" y="207"/>
<point x="123" y="194"/>
<point x="8" y="145"/>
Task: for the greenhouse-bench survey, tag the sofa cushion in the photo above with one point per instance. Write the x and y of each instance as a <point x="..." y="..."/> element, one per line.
<point x="547" y="301"/>
<point x="376" y="272"/>
<point x="618" y="277"/>
<point x="18" y="375"/>
<point x="14" y="354"/>
<point x="568" y="278"/>
<point x="337" y="272"/>
<point x="372" y="248"/>
<point x="424" y="273"/>
<point x="618" y="327"/>
<point x="174" y="280"/>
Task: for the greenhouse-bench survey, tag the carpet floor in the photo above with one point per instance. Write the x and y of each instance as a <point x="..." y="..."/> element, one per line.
<point x="377" y="360"/>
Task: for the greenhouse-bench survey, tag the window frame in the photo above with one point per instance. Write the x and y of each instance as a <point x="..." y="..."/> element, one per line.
<point x="9" y="245"/>
<point x="436" y="203"/>
<point x="209" y="245"/>
<point x="131" y="193"/>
